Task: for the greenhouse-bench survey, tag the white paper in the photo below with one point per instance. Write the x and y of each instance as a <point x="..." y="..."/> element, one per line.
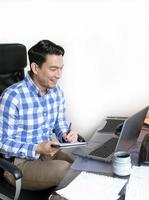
<point x="92" y="186"/>
<point x="138" y="184"/>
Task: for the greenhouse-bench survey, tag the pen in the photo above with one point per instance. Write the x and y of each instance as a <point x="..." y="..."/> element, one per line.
<point x="69" y="128"/>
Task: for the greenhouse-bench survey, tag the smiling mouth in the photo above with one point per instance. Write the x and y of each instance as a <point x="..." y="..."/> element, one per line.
<point x="54" y="81"/>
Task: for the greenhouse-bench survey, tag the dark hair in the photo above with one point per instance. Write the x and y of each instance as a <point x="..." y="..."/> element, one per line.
<point x="39" y="51"/>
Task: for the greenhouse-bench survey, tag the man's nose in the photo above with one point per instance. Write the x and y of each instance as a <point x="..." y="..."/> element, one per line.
<point x="58" y="74"/>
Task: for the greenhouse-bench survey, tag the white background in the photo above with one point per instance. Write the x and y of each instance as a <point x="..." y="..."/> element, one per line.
<point x="106" y="68"/>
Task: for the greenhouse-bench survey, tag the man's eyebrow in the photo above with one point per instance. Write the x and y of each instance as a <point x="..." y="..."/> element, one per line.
<point x="56" y="67"/>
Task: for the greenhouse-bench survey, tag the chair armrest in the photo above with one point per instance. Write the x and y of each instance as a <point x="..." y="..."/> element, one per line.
<point x="8" y="166"/>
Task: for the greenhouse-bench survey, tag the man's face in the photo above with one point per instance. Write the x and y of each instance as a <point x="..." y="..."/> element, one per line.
<point x="50" y="72"/>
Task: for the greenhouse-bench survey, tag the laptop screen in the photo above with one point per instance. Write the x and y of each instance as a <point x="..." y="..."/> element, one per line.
<point x="131" y="130"/>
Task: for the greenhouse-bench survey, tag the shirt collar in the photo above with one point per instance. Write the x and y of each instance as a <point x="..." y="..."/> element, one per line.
<point x="32" y="86"/>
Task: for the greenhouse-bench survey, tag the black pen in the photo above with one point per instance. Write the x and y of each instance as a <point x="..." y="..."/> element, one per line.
<point x="68" y="131"/>
<point x="69" y="128"/>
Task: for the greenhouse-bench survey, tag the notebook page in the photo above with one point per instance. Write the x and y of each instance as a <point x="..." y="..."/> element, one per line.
<point x="137" y="187"/>
<point x="92" y="186"/>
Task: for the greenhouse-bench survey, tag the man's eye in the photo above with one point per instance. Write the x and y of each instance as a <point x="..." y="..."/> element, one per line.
<point x="53" y="69"/>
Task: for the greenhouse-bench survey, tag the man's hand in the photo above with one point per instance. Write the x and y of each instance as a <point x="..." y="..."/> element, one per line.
<point x="70" y="137"/>
<point x="46" y="149"/>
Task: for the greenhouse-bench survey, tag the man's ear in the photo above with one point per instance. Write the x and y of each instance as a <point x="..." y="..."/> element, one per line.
<point x="34" y="67"/>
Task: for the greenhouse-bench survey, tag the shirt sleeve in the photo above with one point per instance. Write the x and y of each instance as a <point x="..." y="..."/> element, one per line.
<point x="61" y="124"/>
<point x="11" y="143"/>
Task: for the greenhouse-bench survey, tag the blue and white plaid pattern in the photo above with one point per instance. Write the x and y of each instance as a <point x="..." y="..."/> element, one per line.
<point x="27" y="118"/>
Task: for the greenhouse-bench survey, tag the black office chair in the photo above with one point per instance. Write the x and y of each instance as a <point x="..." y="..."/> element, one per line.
<point x="13" y="60"/>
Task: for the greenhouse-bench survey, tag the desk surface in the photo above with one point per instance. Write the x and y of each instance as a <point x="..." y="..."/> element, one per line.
<point x="72" y="173"/>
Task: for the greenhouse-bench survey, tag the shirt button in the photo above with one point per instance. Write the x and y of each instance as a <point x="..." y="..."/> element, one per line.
<point x="45" y="114"/>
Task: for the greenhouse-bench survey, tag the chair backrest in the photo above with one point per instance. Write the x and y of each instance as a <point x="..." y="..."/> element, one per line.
<point x="13" y="60"/>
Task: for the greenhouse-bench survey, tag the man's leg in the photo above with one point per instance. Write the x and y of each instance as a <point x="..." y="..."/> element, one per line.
<point x="42" y="173"/>
<point x="60" y="155"/>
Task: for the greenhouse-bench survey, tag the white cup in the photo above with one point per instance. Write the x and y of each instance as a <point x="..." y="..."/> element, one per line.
<point x="121" y="163"/>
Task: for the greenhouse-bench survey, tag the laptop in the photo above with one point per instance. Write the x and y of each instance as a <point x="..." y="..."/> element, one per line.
<point x="103" y="147"/>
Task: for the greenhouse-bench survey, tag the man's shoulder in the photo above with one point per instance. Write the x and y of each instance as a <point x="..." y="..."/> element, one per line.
<point x="14" y="89"/>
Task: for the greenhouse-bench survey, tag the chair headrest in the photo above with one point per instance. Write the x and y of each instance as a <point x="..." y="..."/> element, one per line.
<point x="13" y="57"/>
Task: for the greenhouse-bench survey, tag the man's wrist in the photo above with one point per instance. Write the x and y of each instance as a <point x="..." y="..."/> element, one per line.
<point x="38" y="149"/>
<point x="36" y="154"/>
<point x="64" y="138"/>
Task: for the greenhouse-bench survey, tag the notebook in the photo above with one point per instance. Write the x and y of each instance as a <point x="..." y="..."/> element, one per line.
<point x="109" y="143"/>
<point x="92" y="186"/>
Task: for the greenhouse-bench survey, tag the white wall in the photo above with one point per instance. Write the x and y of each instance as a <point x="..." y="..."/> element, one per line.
<point x="107" y="52"/>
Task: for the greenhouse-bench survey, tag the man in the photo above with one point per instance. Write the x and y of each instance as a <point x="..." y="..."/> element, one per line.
<point x="30" y="112"/>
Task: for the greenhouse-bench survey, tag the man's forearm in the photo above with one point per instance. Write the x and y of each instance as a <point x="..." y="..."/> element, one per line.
<point x="12" y="148"/>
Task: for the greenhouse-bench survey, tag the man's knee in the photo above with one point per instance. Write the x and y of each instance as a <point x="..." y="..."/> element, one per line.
<point x="62" y="169"/>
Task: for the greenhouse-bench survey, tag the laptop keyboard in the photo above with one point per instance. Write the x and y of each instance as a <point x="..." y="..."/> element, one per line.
<point x="106" y="149"/>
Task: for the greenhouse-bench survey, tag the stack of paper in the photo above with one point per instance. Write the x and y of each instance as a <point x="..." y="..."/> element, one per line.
<point x="138" y="184"/>
<point x="92" y="186"/>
